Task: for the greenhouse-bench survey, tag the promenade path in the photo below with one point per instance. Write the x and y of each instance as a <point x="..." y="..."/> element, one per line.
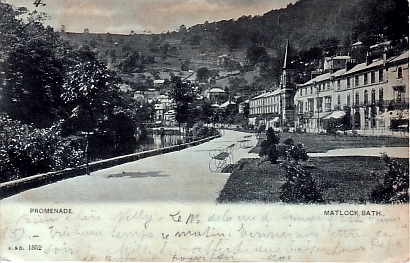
<point x="181" y="176"/>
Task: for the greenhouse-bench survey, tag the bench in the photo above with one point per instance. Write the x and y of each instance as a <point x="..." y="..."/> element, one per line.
<point x="244" y="142"/>
<point x="220" y="158"/>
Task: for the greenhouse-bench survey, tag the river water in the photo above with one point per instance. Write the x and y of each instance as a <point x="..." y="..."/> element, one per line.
<point x="156" y="141"/>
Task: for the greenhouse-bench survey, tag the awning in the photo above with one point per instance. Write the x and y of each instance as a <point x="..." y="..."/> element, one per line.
<point x="276" y="119"/>
<point x="335" y="115"/>
<point x="321" y="115"/>
<point x="399" y="88"/>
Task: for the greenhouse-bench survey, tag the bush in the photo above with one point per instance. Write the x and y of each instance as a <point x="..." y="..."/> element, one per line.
<point x="394" y="189"/>
<point x="26" y="151"/>
<point x="299" y="186"/>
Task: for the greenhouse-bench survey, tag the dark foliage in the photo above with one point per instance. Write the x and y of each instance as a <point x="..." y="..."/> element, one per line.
<point x="299" y="187"/>
<point x="395" y="187"/>
<point x="26" y="151"/>
<point x="269" y="146"/>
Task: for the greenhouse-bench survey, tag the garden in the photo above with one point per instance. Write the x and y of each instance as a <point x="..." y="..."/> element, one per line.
<point x="285" y="174"/>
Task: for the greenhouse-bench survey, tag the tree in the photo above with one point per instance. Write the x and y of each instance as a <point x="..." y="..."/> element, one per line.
<point x="184" y="96"/>
<point x="203" y="74"/>
<point x="182" y="29"/>
<point x="32" y="68"/>
<point x="89" y="90"/>
<point x="256" y="54"/>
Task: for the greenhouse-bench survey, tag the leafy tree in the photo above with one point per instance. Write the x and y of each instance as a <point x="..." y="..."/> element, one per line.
<point x="195" y="40"/>
<point x="203" y="74"/>
<point x="256" y="54"/>
<point x="32" y="68"/>
<point x="184" y="96"/>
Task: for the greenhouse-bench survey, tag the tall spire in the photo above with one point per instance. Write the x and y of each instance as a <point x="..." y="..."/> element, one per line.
<point x="287" y="56"/>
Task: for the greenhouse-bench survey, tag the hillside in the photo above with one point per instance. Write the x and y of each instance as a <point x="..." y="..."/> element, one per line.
<point x="314" y="28"/>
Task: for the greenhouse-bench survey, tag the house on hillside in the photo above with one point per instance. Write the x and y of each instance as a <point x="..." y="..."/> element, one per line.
<point x="216" y="95"/>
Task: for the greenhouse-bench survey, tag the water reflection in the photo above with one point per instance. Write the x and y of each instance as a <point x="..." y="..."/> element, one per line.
<point x="155" y="141"/>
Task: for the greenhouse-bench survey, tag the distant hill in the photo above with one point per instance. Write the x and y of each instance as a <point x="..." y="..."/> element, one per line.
<point x="314" y="27"/>
<point x="307" y="22"/>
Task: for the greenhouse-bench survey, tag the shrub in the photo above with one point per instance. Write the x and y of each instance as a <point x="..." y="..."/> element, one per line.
<point x="300" y="186"/>
<point x="394" y="189"/>
<point x="25" y="151"/>
<point x="296" y="153"/>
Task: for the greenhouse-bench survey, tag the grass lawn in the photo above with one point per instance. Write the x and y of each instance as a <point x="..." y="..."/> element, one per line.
<point x="338" y="179"/>
<point x="316" y="143"/>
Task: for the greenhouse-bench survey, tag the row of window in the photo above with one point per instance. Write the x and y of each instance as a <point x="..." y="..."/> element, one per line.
<point x="359" y="80"/>
<point x="366" y="100"/>
<point x="328" y="100"/>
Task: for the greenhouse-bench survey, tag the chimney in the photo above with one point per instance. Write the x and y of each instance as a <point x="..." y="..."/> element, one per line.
<point x="385" y="56"/>
<point x="369" y="59"/>
<point x="350" y="64"/>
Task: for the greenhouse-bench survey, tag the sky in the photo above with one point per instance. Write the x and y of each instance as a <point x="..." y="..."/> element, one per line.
<point x="156" y="16"/>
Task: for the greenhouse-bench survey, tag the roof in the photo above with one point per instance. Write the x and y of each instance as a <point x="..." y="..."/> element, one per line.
<point x="404" y="55"/>
<point x="159" y="81"/>
<point x="317" y="79"/>
<point x="216" y="90"/>
<point x="267" y="94"/>
<point x="335" y="115"/>
<point x="287" y="61"/>
<point x="363" y="66"/>
<point x="226" y="103"/>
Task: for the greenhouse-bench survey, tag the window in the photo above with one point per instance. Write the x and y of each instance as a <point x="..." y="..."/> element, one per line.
<point x="328" y="103"/>
<point x="348" y="99"/>
<point x="373" y="96"/>
<point x="311" y="90"/>
<point x="399" y="72"/>
<point x="348" y="83"/>
<point x="300" y="106"/>
<point x="381" y="78"/>
<point x="399" y="96"/>
<point x="365" y="79"/>
<point x="338" y="99"/>
<point x="300" y="92"/>
<point x="356" y="80"/>
<point x="372" y="77"/>
<point x="311" y="105"/>
<point x="381" y="95"/>
<point x="338" y="84"/>
<point x="366" y="97"/>
<point x="357" y="98"/>
<point x="319" y="104"/>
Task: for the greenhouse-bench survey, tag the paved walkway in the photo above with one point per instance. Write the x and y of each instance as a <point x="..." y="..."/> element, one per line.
<point x="181" y="177"/>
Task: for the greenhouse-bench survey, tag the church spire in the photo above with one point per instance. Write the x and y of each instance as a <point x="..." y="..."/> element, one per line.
<point x="287" y="61"/>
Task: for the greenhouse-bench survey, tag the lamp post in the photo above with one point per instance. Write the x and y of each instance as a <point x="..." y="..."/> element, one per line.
<point x="87" y="135"/>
